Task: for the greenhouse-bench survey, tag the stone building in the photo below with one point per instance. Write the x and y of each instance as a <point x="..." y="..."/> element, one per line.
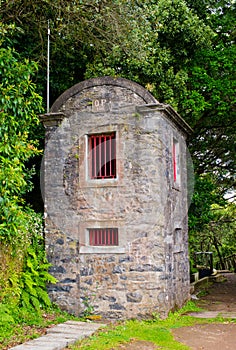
<point x="114" y="179"/>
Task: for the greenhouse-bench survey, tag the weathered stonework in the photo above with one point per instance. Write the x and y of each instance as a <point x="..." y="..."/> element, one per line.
<point x="149" y="271"/>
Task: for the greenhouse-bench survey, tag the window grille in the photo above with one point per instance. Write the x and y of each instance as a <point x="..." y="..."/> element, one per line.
<point x="103" y="236"/>
<point x="102" y="156"/>
<point x="176" y="161"/>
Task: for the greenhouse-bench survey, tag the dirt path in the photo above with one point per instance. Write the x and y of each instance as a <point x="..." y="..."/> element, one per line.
<point x="208" y="336"/>
<point x="221" y="299"/>
<point x="222" y="295"/>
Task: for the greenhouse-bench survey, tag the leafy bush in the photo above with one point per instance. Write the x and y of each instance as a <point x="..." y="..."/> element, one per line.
<point x="5" y="315"/>
<point x="35" y="276"/>
<point x="23" y="264"/>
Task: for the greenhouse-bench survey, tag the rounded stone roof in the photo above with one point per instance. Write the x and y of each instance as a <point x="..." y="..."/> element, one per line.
<point x="103" y="81"/>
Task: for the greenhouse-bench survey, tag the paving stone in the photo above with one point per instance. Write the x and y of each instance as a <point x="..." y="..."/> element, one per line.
<point x="228" y="315"/>
<point x="60" y="336"/>
<point x="205" y="314"/>
<point x="213" y="314"/>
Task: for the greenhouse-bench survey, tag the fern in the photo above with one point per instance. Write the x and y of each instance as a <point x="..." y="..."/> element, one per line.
<point x="25" y="300"/>
<point x="24" y="271"/>
<point x="43" y="297"/>
<point x="47" y="277"/>
<point x="28" y="283"/>
<point x="5" y="315"/>
<point x="35" y="303"/>
<point x="35" y="276"/>
<point x="30" y="266"/>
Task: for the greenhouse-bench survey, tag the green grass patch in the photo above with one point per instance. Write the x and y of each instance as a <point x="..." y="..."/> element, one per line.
<point x="155" y="330"/>
<point x="17" y="325"/>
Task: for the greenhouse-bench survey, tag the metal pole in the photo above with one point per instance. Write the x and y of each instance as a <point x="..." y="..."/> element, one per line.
<point x="48" y="70"/>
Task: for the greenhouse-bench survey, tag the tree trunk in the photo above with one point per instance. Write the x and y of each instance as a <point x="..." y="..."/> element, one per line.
<point x="219" y="254"/>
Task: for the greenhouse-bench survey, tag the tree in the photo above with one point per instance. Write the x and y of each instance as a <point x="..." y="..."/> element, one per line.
<point x="165" y="36"/>
<point x="183" y="51"/>
<point x="186" y="57"/>
<point x="210" y="104"/>
<point x="217" y="234"/>
<point x="19" y="225"/>
<point x="80" y="30"/>
<point x="19" y="106"/>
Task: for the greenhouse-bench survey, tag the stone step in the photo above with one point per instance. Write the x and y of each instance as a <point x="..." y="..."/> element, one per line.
<point x="61" y="335"/>
<point x="213" y="314"/>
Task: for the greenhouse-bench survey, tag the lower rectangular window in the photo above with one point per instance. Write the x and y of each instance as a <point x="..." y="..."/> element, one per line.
<point x="103" y="237"/>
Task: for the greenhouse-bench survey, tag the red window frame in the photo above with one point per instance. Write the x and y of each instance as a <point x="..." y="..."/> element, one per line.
<point x="176" y="164"/>
<point x="102" y="156"/>
<point x="103" y="236"/>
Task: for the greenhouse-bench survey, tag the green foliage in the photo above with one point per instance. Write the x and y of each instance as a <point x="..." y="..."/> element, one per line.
<point x="206" y="193"/>
<point x="18" y="325"/>
<point x="19" y="105"/>
<point x="23" y="279"/>
<point x="156" y="331"/>
<point x="23" y="264"/>
<point x="211" y="222"/>
<point x="183" y="52"/>
<point x="35" y="276"/>
<point x="88" y="307"/>
<point x="164" y="36"/>
<point x="5" y="315"/>
<point x="24" y="270"/>
<point x="10" y="272"/>
<point x="209" y="105"/>
<point x="80" y="30"/>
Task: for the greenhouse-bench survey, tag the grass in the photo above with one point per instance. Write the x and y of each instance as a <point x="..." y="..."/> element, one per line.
<point x="156" y="331"/>
<point x="153" y="332"/>
<point x="17" y="325"/>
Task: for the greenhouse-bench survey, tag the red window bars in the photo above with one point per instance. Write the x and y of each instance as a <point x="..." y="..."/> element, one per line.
<point x="103" y="236"/>
<point x="174" y="162"/>
<point x="102" y="155"/>
<point x="176" y="165"/>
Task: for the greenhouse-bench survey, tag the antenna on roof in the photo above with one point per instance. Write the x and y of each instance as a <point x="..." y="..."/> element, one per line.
<point x="48" y="68"/>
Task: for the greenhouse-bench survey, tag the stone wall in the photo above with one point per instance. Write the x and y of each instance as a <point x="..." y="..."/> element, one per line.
<point x="149" y="271"/>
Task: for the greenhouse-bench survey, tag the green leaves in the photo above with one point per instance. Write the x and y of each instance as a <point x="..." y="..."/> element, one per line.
<point x="35" y="276"/>
<point x="180" y="29"/>
<point x="19" y="106"/>
<point x="23" y="264"/>
<point x="19" y="100"/>
<point x="183" y="52"/>
<point x="5" y="316"/>
<point x="217" y="234"/>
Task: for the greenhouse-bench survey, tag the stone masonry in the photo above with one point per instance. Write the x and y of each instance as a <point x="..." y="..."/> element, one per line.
<point x="147" y="272"/>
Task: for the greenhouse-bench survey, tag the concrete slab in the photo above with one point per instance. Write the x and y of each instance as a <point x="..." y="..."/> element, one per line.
<point x="61" y="335"/>
<point x="205" y="314"/>
<point x="213" y="314"/>
<point x="229" y="314"/>
<point x="55" y="345"/>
